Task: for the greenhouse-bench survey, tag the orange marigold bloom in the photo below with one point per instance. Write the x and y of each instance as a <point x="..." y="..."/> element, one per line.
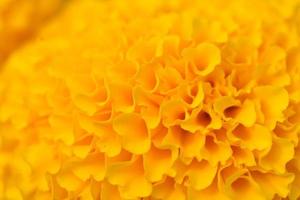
<point x="171" y="100"/>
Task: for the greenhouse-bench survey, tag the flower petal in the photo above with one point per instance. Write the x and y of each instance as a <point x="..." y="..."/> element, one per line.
<point x="133" y="131"/>
<point x="203" y="58"/>
<point x="201" y="174"/>
<point x="157" y="162"/>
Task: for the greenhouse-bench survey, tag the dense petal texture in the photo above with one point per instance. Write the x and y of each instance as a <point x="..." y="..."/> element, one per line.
<point x="149" y="99"/>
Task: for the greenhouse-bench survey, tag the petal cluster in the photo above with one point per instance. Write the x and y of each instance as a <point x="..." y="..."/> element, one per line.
<point x="176" y="99"/>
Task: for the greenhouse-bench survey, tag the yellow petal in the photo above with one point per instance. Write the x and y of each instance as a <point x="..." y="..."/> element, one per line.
<point x="121" y="173"/>
<point x="281" y="152"/>
<point x="124" y="70"/>
<point x="215" y="151"/>
<point x="243" y="156"/>
<point x="173" y="137"/>
<point x="144" y="51"/>
<point x="86" y="194"/>
<point x="170" y="45"/>
<point x="136" y="187"/>
<point x="109" y="143"/>
<point x="191" y="144"/>
<point x="226" y="106"/>
<point x="173" y="112"/>
<point x="294" y="190"/>
<point x="13" y="193"/>
<point x="201" y="174"/>
<point x="162" y="189"/>
<point x="129" y="175"/>
<point x="150" y="104"/>
<point x="63" y="128"/>
<point x="273" y="184"/>
<point x="92" y="166"/>
<point x="109" y="192"/>
<point x="121" y="95"/>
<point x="169" y="79"/>
<point x="152" y="116"/>
<point x="247" y="114"/>
<point x="200" y="119"/>
<point x="82" y="147"/>
<point x="81" y="83"/>
<point x="256" y="137"/>
<point x="90" y="104"/>
<point x="69" y="181"/>
<point x="193" y="95"/>
<point x="147" y="78"/>
<point x="156" y="163"/>
<point x="178" y="193"/>
<point x="274" y="100"/>
<point x="85" y="103"/>
<point x="133" y="131"/>
<point x="244" y="187"/>
<point x="212" y="192"/>
<point x="204" y="58"/>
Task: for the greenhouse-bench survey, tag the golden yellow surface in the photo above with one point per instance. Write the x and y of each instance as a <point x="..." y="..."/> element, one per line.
<point x="21" y="19"/>
<point x="149" y="99"/>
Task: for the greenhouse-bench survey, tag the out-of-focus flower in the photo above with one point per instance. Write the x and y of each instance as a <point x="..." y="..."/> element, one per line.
<point x="21" y="19"/>
<point x="155" y="100"/>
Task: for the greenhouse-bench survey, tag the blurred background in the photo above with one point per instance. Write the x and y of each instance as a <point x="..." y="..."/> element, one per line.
<point x="22" y="19"/>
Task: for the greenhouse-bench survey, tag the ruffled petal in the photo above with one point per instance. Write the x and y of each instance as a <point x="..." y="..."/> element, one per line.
<point x="173" y="112"/>
<point x="133" y="131"/>
<point x="122" y="97"/>
<point x="273" y="184"/>
<point x="157" y="163"/>
<point x="203" y="58"/>
<point x="281" y="152"/>
<point x="273" y="101"/>
<point x="201" y="174"/>
<point x="92" y="166"/>
<point x="256" y="137"/>
<point x="215" y="151"/>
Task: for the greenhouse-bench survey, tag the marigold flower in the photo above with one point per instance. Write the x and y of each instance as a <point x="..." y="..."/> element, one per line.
<point x="175" y="99"/>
